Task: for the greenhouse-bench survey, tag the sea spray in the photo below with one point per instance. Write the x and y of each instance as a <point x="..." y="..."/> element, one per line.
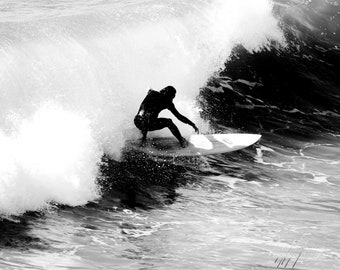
<point x="52" y="157"/>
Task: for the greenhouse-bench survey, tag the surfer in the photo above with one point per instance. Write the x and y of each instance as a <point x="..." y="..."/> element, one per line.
<point x="155" y="102"/>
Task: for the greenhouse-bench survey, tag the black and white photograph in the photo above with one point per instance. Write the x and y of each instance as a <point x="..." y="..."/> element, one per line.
<point x="169" y="134"/>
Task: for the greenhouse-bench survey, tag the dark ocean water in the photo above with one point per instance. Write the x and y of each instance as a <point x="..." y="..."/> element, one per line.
<point x="78" y="201"/>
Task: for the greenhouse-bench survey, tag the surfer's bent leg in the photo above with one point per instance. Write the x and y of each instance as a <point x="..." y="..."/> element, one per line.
<point x="140" y="123"/>
<point x="161" y="123"/>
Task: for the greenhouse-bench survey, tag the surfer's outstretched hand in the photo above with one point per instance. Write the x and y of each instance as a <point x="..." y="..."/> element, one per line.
<point x="195" y="128"/>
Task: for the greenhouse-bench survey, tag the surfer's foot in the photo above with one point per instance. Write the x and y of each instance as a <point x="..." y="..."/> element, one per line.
<point x="184" y="143"/>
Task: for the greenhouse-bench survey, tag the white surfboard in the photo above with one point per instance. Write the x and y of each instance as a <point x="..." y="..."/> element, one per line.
<point x="199" y="145"/>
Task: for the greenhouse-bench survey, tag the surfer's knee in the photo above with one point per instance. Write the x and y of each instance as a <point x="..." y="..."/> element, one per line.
<point x="173" y="128"/>
<point x="137" y="121"/>
<point x="140" y="123"/>
<point x="168" y="122"/>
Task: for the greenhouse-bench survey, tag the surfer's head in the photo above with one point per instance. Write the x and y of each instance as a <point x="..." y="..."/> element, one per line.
<point x="169" y="92"/>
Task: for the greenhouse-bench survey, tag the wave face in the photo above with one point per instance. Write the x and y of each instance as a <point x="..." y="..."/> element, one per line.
<point x="290" y="90"/>
<point x="72" y="78"/>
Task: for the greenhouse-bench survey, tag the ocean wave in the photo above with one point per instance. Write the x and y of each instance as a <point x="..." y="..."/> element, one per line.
<point x="96" y="65"/>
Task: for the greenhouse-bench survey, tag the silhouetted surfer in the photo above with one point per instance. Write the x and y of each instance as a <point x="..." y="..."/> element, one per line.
<point x="155" y="102"/>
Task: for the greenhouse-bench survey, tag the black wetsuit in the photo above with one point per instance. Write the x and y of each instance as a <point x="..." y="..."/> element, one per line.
<point x="147" y="116"/>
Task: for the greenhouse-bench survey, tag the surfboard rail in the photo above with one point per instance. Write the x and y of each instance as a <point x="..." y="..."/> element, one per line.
<point x="199" y="144"/>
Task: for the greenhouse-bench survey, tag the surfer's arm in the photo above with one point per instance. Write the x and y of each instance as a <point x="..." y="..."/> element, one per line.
<point x="182" y="118"/>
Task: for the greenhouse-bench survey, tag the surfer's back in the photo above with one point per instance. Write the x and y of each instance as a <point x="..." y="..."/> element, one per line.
<point x="153" y="104"/>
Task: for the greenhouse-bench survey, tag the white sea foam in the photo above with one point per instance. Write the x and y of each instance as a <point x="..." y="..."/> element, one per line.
<point x="51" y="157"/>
